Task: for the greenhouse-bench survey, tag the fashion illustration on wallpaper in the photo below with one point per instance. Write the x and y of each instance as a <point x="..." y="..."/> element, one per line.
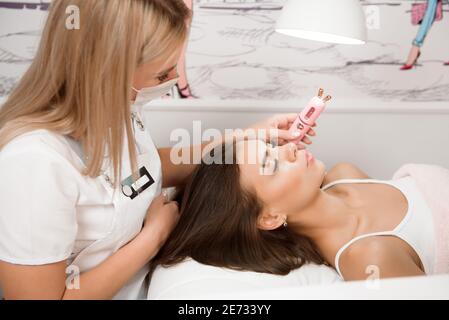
<point x="233" y="52"/>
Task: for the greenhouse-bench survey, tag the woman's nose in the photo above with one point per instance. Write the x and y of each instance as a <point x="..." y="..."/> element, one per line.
<point x="288" y="152"/>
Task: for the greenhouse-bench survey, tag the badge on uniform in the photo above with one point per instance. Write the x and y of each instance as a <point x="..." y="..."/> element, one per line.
<point x="132" y="189"/>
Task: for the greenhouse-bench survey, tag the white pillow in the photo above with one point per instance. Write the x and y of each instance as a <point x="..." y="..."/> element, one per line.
<point x="192" y="280"/>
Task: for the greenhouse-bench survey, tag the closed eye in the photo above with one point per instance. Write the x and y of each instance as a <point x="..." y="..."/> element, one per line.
<point x="163" y="78"/>
<point x="270" y="161"/>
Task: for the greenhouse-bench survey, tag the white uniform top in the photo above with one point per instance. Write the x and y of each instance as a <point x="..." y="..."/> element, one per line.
<point x="50" y="212"/>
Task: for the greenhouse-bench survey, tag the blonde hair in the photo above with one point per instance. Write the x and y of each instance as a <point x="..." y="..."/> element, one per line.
<point x="79" y="83"/>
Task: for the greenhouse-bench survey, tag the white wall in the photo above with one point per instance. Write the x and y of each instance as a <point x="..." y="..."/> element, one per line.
<point x="378" y="140"/>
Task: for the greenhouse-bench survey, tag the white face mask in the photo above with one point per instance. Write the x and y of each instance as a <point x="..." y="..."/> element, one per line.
<point x="145" y="95"/>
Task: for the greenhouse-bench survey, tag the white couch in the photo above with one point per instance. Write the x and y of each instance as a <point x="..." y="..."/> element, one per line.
<point x="377" y="138"/>
<point x="191" y="280"/>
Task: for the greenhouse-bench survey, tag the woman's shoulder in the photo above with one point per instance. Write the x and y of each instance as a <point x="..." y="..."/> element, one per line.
<point x="41" y="142"/>
<point x="344" y="170"/>
<point x="389" y="256"/>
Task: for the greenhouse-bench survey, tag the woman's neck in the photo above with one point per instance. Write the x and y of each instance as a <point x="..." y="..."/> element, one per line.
<point x="330" y="220"/>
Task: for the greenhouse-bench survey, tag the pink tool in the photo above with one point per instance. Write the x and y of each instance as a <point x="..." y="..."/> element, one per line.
<point x="309" y="115"/>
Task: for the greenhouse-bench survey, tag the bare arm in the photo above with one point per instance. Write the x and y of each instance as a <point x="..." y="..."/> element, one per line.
<point x="177" y="174"/>
<point x="174" y="175"/>
<point x="102" y="282"/>
<point x="378" y="257"/>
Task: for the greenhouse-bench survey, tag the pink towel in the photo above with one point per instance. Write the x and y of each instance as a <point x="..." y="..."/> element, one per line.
<point x="433" y="183"/>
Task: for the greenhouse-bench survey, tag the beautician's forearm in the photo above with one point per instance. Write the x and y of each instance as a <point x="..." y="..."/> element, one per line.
<point x="174" y="175"/>
<point x="106" y="280"/>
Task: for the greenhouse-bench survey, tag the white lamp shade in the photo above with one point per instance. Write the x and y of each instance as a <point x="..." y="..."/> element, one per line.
<point x="332" y="21"/>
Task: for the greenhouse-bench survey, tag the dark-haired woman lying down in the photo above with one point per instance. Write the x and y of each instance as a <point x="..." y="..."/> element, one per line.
<point x="283" y="210"/>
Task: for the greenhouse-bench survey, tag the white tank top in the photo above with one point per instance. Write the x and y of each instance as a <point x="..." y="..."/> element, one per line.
<point x="416" y="228"/>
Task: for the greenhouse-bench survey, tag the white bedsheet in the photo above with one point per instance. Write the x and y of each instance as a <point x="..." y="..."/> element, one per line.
<point x="416" y="288"/>
<point x="191" y="279"/>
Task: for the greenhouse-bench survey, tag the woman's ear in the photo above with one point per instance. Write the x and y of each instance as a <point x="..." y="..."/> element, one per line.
<point x="271" y="221"/>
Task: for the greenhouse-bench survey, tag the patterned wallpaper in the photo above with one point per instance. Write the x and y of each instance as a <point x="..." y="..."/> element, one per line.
<point x="234" y="53"/>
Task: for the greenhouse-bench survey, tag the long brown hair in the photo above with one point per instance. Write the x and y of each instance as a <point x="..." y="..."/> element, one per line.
<point x="79" y="83"/>
<point x="218" y="226"/>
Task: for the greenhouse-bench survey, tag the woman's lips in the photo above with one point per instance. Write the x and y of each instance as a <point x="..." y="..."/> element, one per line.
<point x="309" y="157"/>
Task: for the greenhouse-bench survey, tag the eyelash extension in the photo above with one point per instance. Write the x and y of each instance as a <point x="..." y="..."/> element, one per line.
<point x="264" y="164"/>
<point x="276" y="162"/>
<point x="162" y="78"/>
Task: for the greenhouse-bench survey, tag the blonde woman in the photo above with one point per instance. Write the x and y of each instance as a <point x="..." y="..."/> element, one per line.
<point x="81" y="210"/>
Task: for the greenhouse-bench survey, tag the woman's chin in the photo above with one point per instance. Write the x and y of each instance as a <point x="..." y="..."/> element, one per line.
<point x="319" y="165"/>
